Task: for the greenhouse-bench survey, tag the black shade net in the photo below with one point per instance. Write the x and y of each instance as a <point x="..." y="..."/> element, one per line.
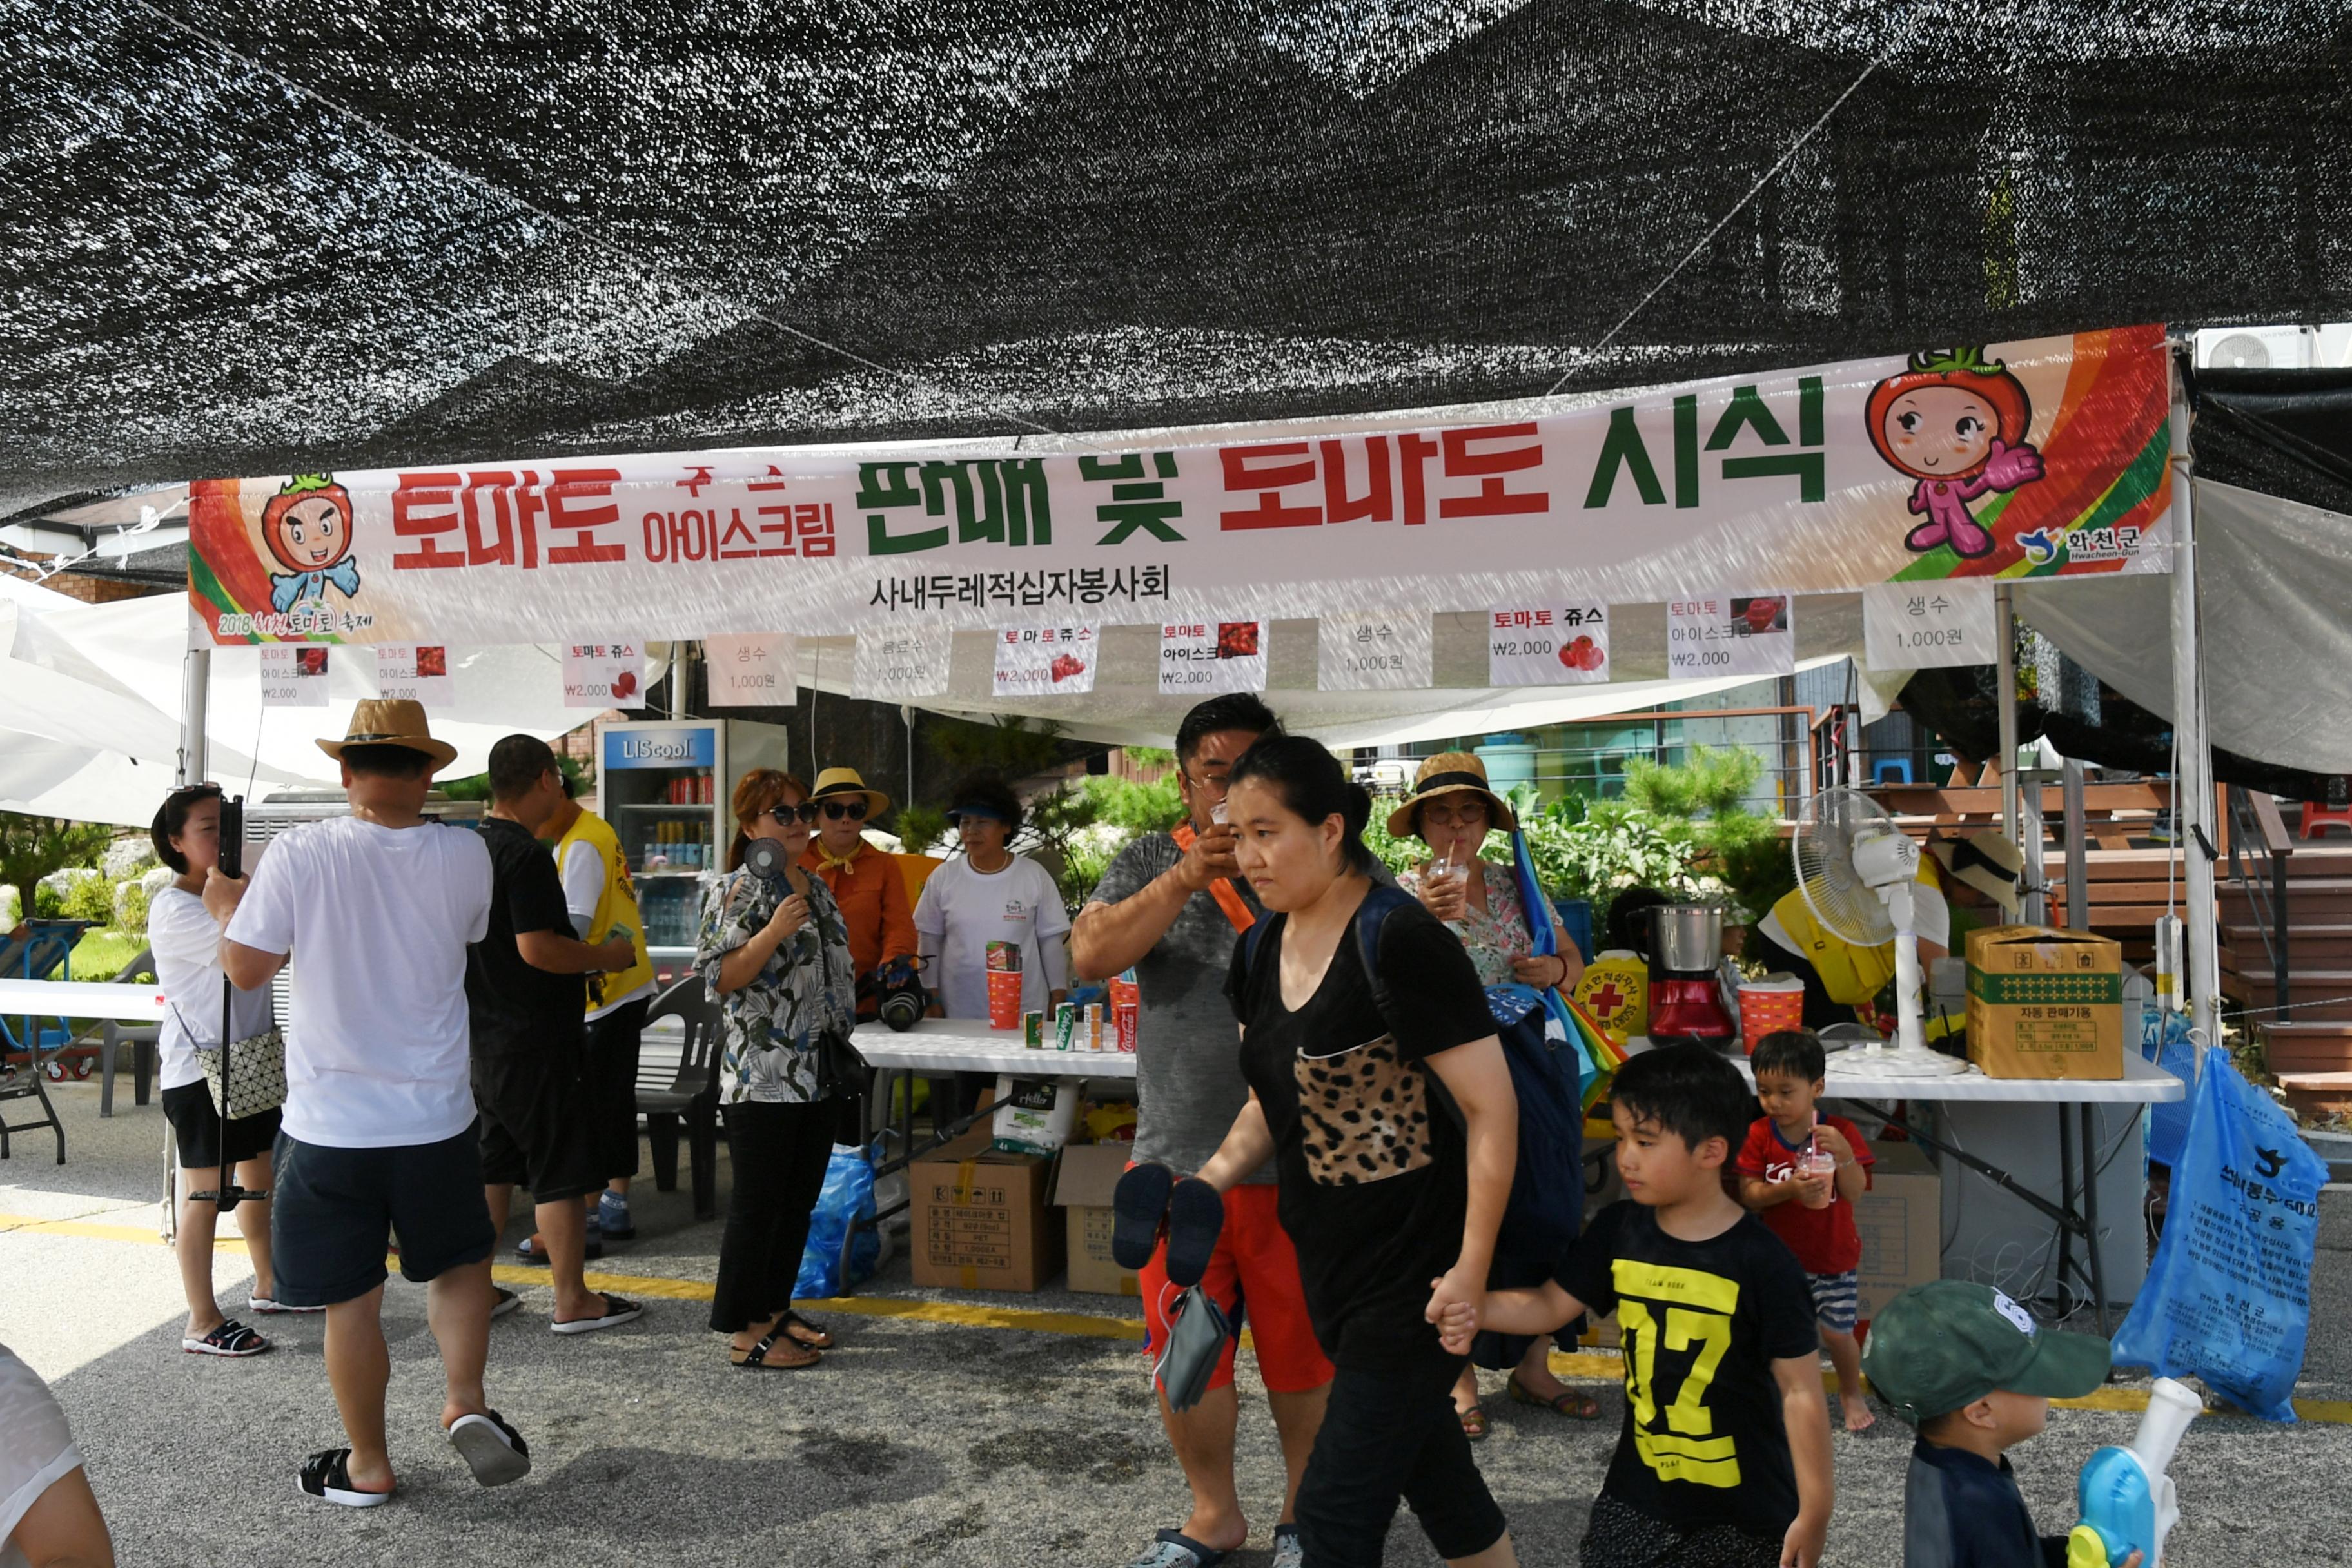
<point x="277" y="234"/>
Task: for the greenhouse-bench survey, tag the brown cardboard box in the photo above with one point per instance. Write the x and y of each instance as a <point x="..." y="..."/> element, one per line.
<point x="977" y="1218"/>
<point x="1082" y="1190"/>
<point x="1901" y="1221"/>
<point x="2045" y="1003"/>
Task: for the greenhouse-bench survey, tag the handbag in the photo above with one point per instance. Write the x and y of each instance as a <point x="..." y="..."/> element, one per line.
<point x="248" y="1074"/>
<point x="840" y="1070"/>
<point x="1198" y="1331"/>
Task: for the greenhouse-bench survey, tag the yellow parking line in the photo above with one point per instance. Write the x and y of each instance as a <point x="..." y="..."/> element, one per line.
<point x="1578" y="1366"/>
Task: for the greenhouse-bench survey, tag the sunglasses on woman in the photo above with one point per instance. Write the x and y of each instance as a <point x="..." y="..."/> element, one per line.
<point x="852" y="809"/>
<point x="781" y="815"/>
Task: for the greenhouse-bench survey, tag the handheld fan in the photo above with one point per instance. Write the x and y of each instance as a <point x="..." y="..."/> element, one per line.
<point x="1856" y="871"/>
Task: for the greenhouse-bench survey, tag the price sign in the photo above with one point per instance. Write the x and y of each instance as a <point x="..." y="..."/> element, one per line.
<point x="1047" y="661"/>
<point x="418" y="671"/>
<point x="902" y="662"/>
<point x="1201" y="658"/>
<point x="1731" y="634"/>
<point x="293" y="676"/>
<point x="604" y="675"/>
<point x="1374" y="653"/>
<point x="1547" y="644"/>
<point x="756" y="671"/>
<point x="1927" y="626"/>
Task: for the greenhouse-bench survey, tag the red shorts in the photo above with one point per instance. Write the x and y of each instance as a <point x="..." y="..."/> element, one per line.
<point x="1254" y="1272"/>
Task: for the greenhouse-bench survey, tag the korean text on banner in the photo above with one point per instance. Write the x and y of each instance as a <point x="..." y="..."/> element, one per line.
<point x="1047" y="661"/>
<point x="902" y="662"/>
<point x="294" y="677"/>
<point x="1203" y="658"/>
<point x="1731" y="634"/>
<point x="2030" y="459"/>
<point x="1547" y="644"/>
<point x="604" y="675"/>
<point x="1374" y="653"/>
<point x="1927" y="626"/>
<point x="418" y="671"/>
<point x="757" y="670"/>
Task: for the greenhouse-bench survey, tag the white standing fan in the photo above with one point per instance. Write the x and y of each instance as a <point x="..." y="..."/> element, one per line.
<point x="1857" y="870"/>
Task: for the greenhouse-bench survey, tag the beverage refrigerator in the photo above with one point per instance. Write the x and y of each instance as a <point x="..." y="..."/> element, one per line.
<point x="663" y="784"/>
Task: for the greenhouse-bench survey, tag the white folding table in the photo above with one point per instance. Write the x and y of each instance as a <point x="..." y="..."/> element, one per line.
<point x="939" y="1048"/>
<point x="63" y="999"/>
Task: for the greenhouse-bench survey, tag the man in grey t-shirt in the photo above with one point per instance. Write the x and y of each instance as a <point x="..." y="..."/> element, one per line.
<point x="1170" y="907"/>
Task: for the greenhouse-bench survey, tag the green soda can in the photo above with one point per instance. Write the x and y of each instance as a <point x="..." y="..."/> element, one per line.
<point x="1066" y="1027"/>
<point x="1032" y="1030"/>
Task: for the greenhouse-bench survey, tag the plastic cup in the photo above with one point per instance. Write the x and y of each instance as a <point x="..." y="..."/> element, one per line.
<point x="1004" y="998"/>
<point x="1818" y="1162"/>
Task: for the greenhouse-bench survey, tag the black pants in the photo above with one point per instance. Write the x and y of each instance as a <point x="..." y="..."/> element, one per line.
<point x="780" y="1152"/>
<point x="614" y="1041"/>
<point x="1821" y="1011"/>
<point x="1388" y="1435"/>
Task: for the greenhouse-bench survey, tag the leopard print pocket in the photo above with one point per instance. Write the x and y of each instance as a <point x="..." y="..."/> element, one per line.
<point x="1363" y="1115"/>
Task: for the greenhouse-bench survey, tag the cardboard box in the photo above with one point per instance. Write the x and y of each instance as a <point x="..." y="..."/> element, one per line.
<point x="977" y="1218"/>
<point x="2045" y="1003"/>
<point x="1901" y="1220"/>
<point x="1082" y="1191"/>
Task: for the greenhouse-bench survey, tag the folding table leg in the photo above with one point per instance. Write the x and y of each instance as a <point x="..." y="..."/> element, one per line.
<point x="2091" y="1222"/>
<point x="2066" y="1199"/>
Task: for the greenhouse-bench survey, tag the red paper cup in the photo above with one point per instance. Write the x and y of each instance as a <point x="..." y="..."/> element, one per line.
<point x="1003" y="1000"/>
<point x="1766" y="1006"/>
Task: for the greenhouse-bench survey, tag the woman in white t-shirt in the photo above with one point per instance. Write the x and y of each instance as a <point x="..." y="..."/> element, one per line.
<point x="186" y="939"/>
<point x="991" y="895"/>
<point x="48" y="1513"/>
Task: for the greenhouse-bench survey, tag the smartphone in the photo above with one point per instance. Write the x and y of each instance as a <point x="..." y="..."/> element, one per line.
<point x="232" y="836"/>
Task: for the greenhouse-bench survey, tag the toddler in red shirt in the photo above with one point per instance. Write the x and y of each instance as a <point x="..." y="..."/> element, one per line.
<point x="1800" y="1172"/>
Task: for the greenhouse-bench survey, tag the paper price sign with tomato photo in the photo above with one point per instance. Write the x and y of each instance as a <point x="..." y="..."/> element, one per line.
<point x="1047" y="661"/>
<point x="1731" y="634"/>
<point x="292" y="676"/>
<point x="418" y="671"/>
<point x="1201" y="658"/>
<point x="1548" y="644"/>
<point x="604" y="675"/>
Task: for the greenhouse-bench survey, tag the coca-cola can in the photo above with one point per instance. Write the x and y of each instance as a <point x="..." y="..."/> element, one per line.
<point x="1129" y="1017"/>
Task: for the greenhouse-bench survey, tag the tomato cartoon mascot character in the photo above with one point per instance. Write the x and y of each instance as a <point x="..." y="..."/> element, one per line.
<point x="1955" y="422"/>
<point x="308" y="526"/>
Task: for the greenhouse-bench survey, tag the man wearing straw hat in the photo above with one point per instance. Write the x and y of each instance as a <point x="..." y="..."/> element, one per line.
<point x="375" y="910"/>
<point x="1839" y="976"/>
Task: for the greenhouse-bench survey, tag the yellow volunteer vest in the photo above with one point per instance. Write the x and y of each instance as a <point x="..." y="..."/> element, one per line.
<point x="1852" y="975"/>
<point x="617" y="905"/>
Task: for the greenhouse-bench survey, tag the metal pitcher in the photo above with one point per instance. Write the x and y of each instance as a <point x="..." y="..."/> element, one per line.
<point x="1686" y="939"/>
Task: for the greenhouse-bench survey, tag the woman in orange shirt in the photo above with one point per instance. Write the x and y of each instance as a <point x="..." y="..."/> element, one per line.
<point x="866" y="882"/>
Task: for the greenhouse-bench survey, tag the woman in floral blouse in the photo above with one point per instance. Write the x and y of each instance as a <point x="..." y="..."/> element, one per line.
<point x="775" y="954"/>
<point x="1451" y="810"/>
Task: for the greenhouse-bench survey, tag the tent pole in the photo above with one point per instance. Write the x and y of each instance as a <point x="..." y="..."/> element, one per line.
<point x="196" y="681"/>
<point x="2192" y="786"/>
<point x="2004" y="634"/>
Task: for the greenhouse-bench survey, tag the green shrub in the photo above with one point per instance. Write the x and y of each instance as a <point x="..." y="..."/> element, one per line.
<point x="87" y="896"/>
<point x="1137" y="807"/>
<point x="131" y="900"/>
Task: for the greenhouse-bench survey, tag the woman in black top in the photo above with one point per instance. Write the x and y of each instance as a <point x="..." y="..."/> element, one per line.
<point x="1390" y="1115"/>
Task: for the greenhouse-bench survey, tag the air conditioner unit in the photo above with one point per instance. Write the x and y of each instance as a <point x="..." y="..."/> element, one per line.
<point x="2256" y="348"/>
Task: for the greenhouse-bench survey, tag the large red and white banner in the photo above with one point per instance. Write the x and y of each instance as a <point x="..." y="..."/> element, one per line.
<point x="2017" y="459"/>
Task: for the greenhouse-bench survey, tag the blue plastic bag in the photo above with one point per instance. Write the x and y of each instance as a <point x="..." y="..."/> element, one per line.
<point x="2164" y="1041"/>
<point x="839" y="1254"/>
<point x="2228" y="1299"/>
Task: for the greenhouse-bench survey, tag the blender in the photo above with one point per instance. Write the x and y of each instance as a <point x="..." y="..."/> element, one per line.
<point x="1685" y="1001"/>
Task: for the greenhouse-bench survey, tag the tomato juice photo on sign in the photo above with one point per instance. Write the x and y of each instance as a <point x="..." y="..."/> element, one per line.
<point x="2030" y="459"/>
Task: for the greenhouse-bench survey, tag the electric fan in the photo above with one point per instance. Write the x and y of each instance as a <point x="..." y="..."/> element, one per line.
<point x="1856" y="871"/>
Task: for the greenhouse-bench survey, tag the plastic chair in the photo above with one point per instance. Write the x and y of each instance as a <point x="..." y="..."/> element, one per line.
<point x="691" y="1092"/>
<point x="1891" y="769"/>
<point x="2316" y="817"/>
<point x="144" y="1040"/>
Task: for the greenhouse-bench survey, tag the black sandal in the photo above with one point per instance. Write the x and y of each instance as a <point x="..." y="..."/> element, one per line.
<point x="326" y="1475"/>
<point x="1196" y="1214"/>
<point x="230" y="1338"/>
<point x="1138" y="1204"/>
<point x="814" y="1336"/>
<point x="756" y="1358"/>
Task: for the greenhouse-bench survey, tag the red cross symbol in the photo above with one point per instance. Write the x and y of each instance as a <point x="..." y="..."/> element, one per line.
<point x="1607" y="999"/>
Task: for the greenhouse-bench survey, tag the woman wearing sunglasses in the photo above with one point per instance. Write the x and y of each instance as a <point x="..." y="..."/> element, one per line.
<point x="774" y="952"/>
<point x="991" y="895"/>
<point x="866" y="883"/>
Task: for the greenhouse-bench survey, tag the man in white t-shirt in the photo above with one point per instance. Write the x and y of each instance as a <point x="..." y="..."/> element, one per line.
<point x="374" y="910"/>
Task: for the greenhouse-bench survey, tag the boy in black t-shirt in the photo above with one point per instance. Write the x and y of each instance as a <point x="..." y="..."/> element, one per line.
<point x="1724" y="1460"/>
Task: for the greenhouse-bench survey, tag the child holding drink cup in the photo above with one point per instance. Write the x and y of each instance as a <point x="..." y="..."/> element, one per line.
<point x="1800" y="1172"/>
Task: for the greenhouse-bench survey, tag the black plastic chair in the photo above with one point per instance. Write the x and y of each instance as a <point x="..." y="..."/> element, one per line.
<point x="690" y="1091"/>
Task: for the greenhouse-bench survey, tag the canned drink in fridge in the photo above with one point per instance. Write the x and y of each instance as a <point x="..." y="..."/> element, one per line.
<point x="1066" y="1026"/>
<point x="1128" y="1017"/>
<point x="1032" y="1030"/>
<point x="1094" y="1026"/>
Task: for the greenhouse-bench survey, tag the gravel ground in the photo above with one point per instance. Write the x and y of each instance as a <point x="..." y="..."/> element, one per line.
<point x="921" y="1440"/>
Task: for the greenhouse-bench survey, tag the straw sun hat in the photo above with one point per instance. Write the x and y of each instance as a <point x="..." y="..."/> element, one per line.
<point x="1450" y="773"/>
<point x="392" y="721"/>
<point x="835" y="783"/>
<point x="1989" y="861"/>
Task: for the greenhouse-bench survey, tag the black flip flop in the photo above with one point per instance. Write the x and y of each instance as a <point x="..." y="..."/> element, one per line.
<point x="492" y="1449"/>
<point x="756" y="1358"/>
<point x="326" y="1475"/>
<point x="1137" y="1204"/>
<point x="1195" y="1216"/>
<point x="819" y="1336"/>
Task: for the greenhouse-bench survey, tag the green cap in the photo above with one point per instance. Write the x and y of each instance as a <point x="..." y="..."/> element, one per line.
<point x="1938" y="1347"/>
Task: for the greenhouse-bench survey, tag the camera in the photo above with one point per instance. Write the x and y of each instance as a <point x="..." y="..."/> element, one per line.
<point x="902" y="996"/>
<point x="232" y="836"/>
